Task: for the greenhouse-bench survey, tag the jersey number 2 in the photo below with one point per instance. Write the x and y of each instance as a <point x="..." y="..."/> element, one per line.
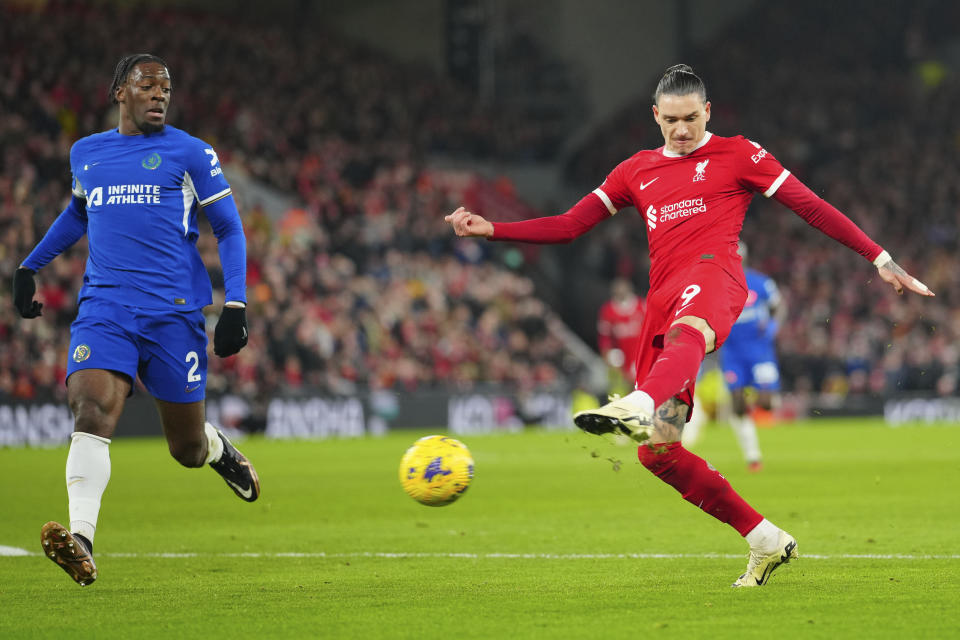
<point x="192" y="375"/>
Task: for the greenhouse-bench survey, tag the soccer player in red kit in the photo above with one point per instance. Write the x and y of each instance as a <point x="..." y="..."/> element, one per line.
<point x="693" y="193"/>
<point x="619" y="323"/>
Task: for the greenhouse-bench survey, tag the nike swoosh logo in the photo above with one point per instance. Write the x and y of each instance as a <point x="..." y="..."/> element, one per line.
<point x="189" y="390"/>
<point x="74" y="481"/>
<point x="681" y="309"/>
<point x="644" y="185"/>
<point x="246" y="493"/>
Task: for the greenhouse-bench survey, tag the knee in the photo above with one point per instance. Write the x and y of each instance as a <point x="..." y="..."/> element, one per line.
<point x="701" y="325"/>
<point x="91" y="417"/>
<point x="189" y="454"/>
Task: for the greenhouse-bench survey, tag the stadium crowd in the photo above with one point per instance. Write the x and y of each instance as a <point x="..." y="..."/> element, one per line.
<point x="363" y="286"/>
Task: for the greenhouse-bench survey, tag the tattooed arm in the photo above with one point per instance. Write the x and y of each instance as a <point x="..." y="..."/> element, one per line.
<point x="893" y="273"/>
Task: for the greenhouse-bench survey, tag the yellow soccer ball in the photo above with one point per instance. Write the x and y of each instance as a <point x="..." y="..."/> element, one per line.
<point x="436" y="470"/>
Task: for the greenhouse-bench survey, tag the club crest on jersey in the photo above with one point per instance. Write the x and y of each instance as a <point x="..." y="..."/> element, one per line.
<point x="152" y="161"/>
<point x="700" y="171"/>
<point x="81" y="353"/>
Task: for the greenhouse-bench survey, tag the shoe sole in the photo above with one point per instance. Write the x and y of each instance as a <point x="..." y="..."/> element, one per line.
<point x="68" y="553"/>
<point x="599" y="425"/>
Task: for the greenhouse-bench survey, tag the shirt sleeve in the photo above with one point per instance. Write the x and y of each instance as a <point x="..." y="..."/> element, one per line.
<point x="615" y="192"/>
<point x="822" y="215"/>
<point x="759" y="170"/>
<point x="563" y="228"/>
<point x="215" y="197"/>
<point x="205" y="175"/>
<point x="231" y="245"/>
<point x="70" y="226"/>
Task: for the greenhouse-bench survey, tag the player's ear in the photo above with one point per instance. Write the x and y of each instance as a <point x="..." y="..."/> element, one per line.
<point x="706" y="111"/>
<point x="656" y="114"/>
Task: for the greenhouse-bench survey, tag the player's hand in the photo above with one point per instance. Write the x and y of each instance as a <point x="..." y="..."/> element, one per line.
<point x="894" y="274"/>
<point x="469" y="225"/>
<point x="231" y="333"/>
<point x="23" y="289"/>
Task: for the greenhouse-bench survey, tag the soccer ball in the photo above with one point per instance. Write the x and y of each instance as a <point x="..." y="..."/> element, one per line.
<point x="436" y="470"/>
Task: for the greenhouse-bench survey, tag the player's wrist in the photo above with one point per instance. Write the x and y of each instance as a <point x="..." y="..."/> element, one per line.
<point x="235" y="304"/>
<point x="882" y="259"/>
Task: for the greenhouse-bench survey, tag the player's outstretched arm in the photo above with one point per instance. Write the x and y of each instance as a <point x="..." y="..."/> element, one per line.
<point x="899" y="279"/>
<point x="469" y="225"/>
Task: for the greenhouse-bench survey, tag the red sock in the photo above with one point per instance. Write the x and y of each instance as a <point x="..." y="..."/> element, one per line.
<point x="678" y="365"/>
<point x="699" y="484"/>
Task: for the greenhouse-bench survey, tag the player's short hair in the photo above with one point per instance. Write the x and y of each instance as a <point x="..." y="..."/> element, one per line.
<point x="123" y="68"/>
<point x="680" y="80"/>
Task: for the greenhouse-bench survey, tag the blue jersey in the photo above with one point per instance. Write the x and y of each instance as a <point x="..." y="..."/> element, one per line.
<point x="141" y="196"/>
<point x="753" y="327"/>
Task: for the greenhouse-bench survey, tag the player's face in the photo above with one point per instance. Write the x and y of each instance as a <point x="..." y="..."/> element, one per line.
<point x="683" y="121"/>
<point x="145" y="97"/>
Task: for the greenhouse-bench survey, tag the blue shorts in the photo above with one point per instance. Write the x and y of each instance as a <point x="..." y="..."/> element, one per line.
<point x="754" y="367"/>
<point x="167" y="349"/>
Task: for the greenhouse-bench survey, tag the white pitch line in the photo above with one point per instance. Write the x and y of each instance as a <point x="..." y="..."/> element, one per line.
<point x="14" y="551"/>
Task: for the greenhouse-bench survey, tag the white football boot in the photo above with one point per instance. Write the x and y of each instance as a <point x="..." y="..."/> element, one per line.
<point x="762" y="565"/>
<point x="620" y="416"/>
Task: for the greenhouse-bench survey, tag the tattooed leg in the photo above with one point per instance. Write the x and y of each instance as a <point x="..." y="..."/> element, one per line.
<point x="668" y="421"/>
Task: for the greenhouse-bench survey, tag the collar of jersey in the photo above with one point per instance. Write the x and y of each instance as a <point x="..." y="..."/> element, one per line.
<point x="672" y="154"/>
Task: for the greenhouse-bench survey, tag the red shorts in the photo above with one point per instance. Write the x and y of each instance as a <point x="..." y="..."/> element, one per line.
<point x="707" y="291"/>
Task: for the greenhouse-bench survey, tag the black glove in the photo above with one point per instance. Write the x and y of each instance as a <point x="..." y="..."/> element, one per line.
<point x="231" y="333"/>
<point x="23" y="289"/>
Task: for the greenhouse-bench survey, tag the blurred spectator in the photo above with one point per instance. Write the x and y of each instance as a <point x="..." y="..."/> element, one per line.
<point x="618" y="328"/>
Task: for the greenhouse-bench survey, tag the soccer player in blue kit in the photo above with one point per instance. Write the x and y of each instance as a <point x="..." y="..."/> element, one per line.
<point x="749" y="359"/>
<point x="137" y="190"/>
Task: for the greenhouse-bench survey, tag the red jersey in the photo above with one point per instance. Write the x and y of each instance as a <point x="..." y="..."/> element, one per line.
<point x="693" y="204"/>
<point x="619" y="327"/>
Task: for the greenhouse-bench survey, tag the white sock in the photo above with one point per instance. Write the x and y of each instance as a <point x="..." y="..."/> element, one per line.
<point x="746" y="432"/>
<point x="88" y="472"/>
<point x="641" y="399"/>
<point x="764" y="537"/>
<point x="214" y="443"/>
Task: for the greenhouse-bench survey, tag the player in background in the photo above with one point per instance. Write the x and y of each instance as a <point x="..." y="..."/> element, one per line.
<point x="137" y="190"/>
<point x="749" y="360"/>
<point x="618" y="327"/>
<point x="693" y="193"/>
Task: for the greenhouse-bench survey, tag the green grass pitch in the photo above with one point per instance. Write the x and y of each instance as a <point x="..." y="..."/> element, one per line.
<point x="561" y="535"/>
